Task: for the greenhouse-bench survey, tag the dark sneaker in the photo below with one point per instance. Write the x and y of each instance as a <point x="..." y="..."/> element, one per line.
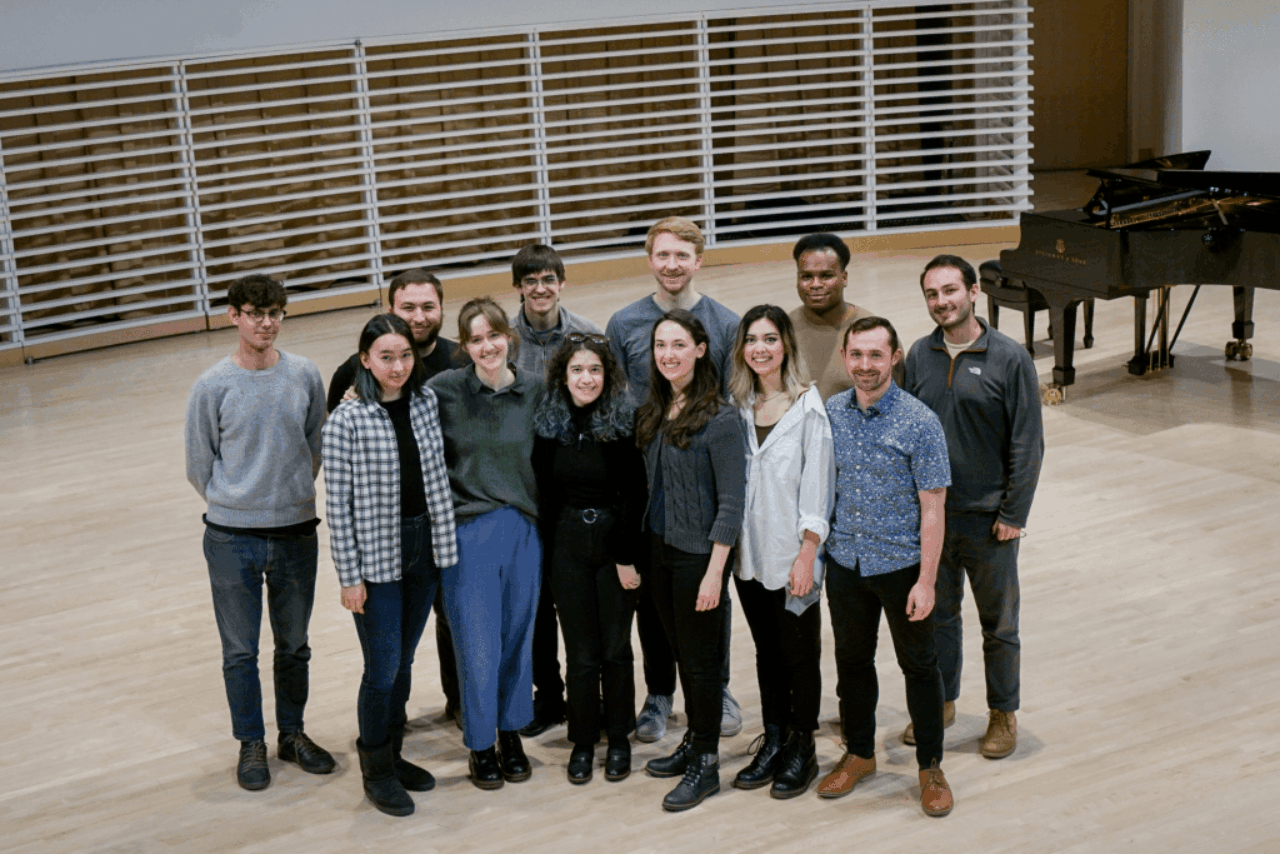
<point x="309" y="756"/>
<point x="252" y="772"/>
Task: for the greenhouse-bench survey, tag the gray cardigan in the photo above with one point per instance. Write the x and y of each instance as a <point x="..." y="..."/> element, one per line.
<point x="705" y="484"/>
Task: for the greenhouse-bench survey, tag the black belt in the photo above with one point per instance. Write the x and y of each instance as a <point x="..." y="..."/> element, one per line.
<point x="588" y="515"/>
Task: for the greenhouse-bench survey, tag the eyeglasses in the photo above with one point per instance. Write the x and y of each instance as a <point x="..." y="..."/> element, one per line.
<point x="276" y="314"/>
<point x="549" y="280"/>
<point x="585" y="337"/>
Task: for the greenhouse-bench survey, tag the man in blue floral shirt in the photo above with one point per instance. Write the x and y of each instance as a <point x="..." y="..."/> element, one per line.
<point x="892" y="475"/>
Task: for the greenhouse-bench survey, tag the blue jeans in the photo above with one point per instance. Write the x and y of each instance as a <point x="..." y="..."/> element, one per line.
<point x="239" y="565"/>
<point x="491" y="597"/>
<point x="395" y="615"/>
<point x="969" y="548"/>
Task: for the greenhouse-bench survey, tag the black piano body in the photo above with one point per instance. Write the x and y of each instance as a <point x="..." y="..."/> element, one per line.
<point x="1151" y="225"/>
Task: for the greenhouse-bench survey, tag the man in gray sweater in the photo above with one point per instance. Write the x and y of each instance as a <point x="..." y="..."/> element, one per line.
<point x="253" y="453"/>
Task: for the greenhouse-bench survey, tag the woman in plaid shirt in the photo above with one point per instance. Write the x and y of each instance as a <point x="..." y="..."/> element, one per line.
<point x="392" y="529"/>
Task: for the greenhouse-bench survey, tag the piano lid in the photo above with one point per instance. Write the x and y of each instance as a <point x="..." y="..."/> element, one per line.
<point x="1232" y="183"/>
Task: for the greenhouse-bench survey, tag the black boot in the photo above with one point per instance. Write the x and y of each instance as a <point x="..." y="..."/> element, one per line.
<point x="675" y="764"/>
<point x="412" y="777"/>
<point x="768" y="751"/>
<point x="617" y="763"/>
<point x="380" y="783"/>
<point x="581" y="763"/>
<point x="486" y="771"/>
<point x="515" y="765"/>
<point x="701" y="781"/>
<point x="797" y="767"/>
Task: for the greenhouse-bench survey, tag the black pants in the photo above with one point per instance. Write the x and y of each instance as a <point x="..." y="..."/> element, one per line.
<point x="548" y="687"/>
<point x="595" y="616"/>
<point x="444" y="649"/>
<point x="788" y="656"/>
<point x="696" y="636"/>
<point x="856" y="602"/>
<point x="659" y="660"/>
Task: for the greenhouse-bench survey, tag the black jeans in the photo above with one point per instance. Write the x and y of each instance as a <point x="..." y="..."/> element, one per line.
<point x="444" y="651"/>
<point x="548" y="687"/>
<point x="856" y="602"/>
<point x="696" y="636"/>
<point x="788" y="656"/>
<point x="659" y="660"/>
<point x="595" y="616"/>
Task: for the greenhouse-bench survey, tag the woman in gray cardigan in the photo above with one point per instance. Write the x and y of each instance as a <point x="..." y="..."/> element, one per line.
<point x="695" y="458"/>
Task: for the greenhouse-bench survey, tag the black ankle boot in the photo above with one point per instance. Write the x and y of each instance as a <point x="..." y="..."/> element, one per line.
<point x="701" y="781"/>
<point x="486" y="771"/>
<point x="797" y="767"/>
<point x="515" y="765"/>
<point x="412" y="777"/>
<point x="380" y="783"/>
<point x="581" y="763"/>
<point x="768" y="750"/>
<point x="617" y="762"/>
<point x="675" y="764"/>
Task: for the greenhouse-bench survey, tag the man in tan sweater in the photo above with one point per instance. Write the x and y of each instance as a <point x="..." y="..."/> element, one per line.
<point x="821" y="277"/>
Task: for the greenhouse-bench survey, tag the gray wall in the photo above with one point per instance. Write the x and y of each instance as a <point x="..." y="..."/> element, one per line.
<point x="38" y="33"/>
<point x="1231" y="82"/>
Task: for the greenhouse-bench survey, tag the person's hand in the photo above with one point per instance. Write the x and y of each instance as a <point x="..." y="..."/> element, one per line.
<point x="919" y="602"/>
<point x="353" y="598"/>
<point x="350" y="395"/>
<point x="628" y="577"/>
<point x="1002" y="532"/>
<point x="801" y="576"/>
<point x="708" y="592"/>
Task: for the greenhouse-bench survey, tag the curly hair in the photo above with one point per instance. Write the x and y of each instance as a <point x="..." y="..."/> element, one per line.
<point x="702" y="398"/>
<point x="613" y="416"/>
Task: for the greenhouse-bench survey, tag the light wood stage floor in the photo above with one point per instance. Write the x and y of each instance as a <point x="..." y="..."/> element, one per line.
<point x="1151" y="620"/>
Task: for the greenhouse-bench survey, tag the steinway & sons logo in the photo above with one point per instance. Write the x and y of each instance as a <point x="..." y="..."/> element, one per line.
<point x="1060" y="253"/>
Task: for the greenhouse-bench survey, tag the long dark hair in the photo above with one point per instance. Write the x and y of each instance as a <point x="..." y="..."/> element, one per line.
<point x="367" y="385"/>
<point x="702" y="398"/>
<point x="612" y="416"/>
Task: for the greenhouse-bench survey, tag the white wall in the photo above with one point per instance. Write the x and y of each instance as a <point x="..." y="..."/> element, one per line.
<point x="39" y="33"/>
<point x="1231" y="82"/>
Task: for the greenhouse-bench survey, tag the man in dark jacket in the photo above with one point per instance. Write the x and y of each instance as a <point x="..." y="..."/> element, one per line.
<point x="984" y="389"/>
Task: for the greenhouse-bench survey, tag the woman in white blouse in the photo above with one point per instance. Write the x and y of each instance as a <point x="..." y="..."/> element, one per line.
<point x="790" y="490"/>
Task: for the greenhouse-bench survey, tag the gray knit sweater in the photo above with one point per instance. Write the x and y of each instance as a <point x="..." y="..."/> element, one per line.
<point x="253" y="442"/>
<point x="705" y="485"/>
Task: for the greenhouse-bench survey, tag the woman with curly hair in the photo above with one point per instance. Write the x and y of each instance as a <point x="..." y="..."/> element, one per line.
<point x="591" y="493"/>
<point x="695" y="459"/>
<point x="778" y="574"/>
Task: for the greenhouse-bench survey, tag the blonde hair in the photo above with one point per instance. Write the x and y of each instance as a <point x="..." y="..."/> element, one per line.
<point x="682" y="228"/>
<point x="744" y="382"/>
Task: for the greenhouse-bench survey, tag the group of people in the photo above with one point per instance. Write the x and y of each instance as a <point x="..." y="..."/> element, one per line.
<point x="540" y="479"/>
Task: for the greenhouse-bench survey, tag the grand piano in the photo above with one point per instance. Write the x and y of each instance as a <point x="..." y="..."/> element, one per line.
<point x="1151" y="225"/>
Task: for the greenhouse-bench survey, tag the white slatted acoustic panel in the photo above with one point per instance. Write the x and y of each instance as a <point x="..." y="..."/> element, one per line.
<point x="131" y="195"/>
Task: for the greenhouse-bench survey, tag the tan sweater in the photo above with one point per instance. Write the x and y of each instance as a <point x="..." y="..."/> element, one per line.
<point x="818" y="336"/>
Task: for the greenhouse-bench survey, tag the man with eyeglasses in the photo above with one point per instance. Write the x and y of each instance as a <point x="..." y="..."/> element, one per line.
<point x="253" y="452"/>
<point x="543" y="324"/>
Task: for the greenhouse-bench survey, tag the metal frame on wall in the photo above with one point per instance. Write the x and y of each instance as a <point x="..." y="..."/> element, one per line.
<point x="133" y="194"/>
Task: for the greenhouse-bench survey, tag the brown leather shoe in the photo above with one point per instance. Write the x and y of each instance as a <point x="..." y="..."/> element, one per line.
<point x="846" y="775"/>
<point x="1002" y="735"/>
<point x="935" y="794"/>
<point x="948" y="718"/>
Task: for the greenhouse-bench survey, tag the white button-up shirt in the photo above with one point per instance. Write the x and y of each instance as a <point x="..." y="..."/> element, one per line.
<point x="790" y="489"/>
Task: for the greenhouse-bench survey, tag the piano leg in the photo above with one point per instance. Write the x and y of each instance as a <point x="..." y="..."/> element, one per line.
<point x="1088" y="323"/>
<point x="1062" y="314"/>
<point x="1138" y="364"/>
<point x="993" y="312"/>
<point x="1029" y="328"/>
<point x="1242" y="328"/>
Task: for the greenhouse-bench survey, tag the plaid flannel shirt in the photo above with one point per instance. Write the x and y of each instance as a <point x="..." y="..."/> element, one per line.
<point x="362" y="479"/>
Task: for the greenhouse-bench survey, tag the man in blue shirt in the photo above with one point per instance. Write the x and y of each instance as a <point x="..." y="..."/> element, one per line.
<point x="892" y="475"/>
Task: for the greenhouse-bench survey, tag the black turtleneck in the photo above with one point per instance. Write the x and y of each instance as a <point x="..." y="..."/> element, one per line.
<point x="580" y="467"/>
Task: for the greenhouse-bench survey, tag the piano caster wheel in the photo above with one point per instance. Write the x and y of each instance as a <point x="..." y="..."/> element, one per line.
<point x="1240" y="351"/>
<point x="1052" y="395"/>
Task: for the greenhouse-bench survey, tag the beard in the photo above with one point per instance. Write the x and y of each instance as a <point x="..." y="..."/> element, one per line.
<point x="429" y="342"/>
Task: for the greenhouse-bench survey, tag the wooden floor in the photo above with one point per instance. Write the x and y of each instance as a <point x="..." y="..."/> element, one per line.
<point x="1151" y="623"/>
